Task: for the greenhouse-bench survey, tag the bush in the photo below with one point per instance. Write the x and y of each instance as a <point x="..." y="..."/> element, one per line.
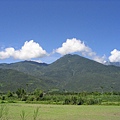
<point x="24" y="98"/>
<point x="66" y="101"/>
<point x="31" y="98"/>
<point x="38" y="94"/>
<point x="80" y="101"/>
<point x="3" y="98"/>
<point x="9" y="94"/>
<point x="74" y="100"/>
<point x="93" y="101"/>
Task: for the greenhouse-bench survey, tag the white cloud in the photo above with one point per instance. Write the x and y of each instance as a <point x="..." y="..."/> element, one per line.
<point x="100" y="59"/>
<point x="8" y="52"/>
<point x="71" y="46"/>
<point x="32" y="50"/>
<point x="38" y="61"/>
<point x="74" y="45"/>
<point x="115" y="56"/>
<point x="29" y="50"/>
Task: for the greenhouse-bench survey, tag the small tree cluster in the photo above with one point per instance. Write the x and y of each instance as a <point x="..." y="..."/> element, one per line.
<point x="21" y="93"/>
<point x="82" y="101"/>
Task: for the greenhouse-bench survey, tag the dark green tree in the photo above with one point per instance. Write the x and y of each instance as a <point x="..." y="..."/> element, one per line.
<point x="9" y="94"/>
<point x="21" y="93"/>
<point x="38" y="94"/>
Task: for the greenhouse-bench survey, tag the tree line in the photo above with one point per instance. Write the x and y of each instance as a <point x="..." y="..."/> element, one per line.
<point x="58" y="97"/>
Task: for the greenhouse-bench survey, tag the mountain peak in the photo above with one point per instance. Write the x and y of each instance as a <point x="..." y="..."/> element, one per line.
<point x="72" y="73"/>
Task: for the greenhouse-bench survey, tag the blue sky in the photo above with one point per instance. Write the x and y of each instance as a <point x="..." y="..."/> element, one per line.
<point x="45" y="30"/>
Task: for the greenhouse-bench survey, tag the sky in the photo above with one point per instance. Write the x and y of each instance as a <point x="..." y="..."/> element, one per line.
<point x="45" y="30"/>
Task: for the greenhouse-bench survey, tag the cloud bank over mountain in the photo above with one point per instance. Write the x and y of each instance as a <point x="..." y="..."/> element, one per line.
<point x="32" y="50"/>
<point x="74" y="45"/>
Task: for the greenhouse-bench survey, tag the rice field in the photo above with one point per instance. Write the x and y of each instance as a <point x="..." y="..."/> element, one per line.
<point x="22" y="111"/>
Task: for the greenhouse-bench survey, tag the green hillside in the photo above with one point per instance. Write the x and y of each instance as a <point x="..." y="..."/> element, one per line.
<point x="12" y="80"/>
<point x="71" y="73"/>
<point x="29" y="67"/>
<point x="75" y="73"/>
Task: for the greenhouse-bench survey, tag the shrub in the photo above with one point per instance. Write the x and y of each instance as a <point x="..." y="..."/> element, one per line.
<point x="9" y="94"/>
<point x="93" y="101"/>
<point x="38" y="94"/>
<point x="24" y="98"/>
<point x="66" y="101"/>
<point x="80" y="101"/>
<point x="3" y="98"/>
<point x="31" y="98"/>
<point x="74" y="100"/>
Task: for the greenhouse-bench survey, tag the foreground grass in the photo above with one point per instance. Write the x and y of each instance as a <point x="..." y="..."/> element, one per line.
<point x="63" y="112"/>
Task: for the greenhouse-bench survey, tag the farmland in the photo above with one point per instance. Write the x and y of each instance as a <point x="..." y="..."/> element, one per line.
<point x="61" y="112"/>
<point x="55" y="105"/>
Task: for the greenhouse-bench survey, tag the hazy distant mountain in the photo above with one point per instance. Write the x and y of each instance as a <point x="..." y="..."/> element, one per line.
<point x="71" y="73"/>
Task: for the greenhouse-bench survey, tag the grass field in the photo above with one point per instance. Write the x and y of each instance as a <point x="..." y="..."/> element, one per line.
<point x="62" y="112"/>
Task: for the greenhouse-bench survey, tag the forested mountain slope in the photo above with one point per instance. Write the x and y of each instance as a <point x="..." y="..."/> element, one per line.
<point x="71" y="73"/>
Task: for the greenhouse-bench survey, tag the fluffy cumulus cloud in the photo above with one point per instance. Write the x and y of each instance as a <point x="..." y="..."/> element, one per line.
<point x="71" y="46"/>
<point x="29" y="50"/>
<point x="74" y="45"/>
<point x="8" y="52"/>
<point x="32" y="50"/>
<point x="115" y="56"/>
<point x="100" y="59"/>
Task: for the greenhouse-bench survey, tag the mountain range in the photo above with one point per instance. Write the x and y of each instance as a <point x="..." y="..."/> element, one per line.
<point x="70" y="73"/>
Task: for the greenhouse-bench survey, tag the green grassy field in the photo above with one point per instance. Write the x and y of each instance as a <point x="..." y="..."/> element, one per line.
<point x="62" y="112"/>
